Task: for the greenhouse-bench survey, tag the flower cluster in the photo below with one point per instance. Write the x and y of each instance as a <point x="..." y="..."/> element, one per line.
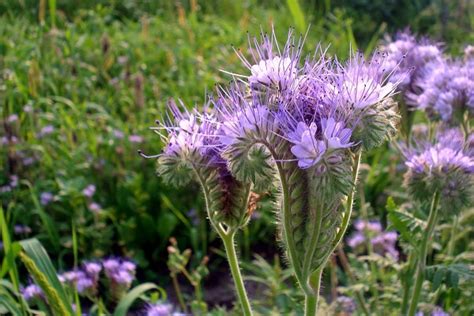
<point x="303" y="121"/>
<point x="446" y="89"/>
<point x="382" y="242"/>
<point x="445" y="165"/>
<point x="159" y="309"/>
<point x="119" y="273"/>
<point x="407" y="57"/>
<point x="437" y="84"/>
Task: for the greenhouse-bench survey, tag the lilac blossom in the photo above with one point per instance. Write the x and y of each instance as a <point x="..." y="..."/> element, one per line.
<point x="119" y="271"/>
<point x="307" y="149"/>
<point x="46" y="130"/>
<point x="276" y="72"/>
<point x="95" y="207"/>
<point x="159" y="309"/>
<point x="28" y="108"/>
<point x="444" y="165"/>
<point x="12" y="118"/>
<point x="22" y="230"/>
<point x="89" y="190"/>
<point x="46" y="198"/>
<point x="31" y="292"/>
<point x="407" y="58"/>
<point x="383" y="242"/>
<point x="135" y="139"/>
<point x="345" y="305"/>
<point x="118" y="134"/>
<point x="444" y="89"/>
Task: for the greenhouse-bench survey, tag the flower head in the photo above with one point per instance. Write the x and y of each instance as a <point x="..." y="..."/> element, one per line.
<point x="445" y="166"/>
<point x="31" y="292"/>
<point x="159" y="309"/>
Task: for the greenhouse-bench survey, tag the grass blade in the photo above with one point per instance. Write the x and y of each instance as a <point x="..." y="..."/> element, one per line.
<point x="127" y="301"/>
<point x="7" y="246"/>
<point x="35" y="251"/>
<point x="298" y="15"/>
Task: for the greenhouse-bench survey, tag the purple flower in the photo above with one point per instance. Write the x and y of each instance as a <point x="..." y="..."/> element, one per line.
<point x="89" y="190"/>
<point x="355" y="240"/>
<point x="13" y="181"/>
<point x="31" y="292"/>
<point x="335" y="134"/>
<point x="118" y="134"/>
<point x="95" y="207"/>
<point x="28" y="108"/>
<point x="276" y="72"/>
<point x="159" y="309"/>
<point x="48" y="129"/>
<point x="46" y="198"/>
<point x="22" y="230"/>
<point x="407" y="58"/>
<point x="119" y="271"/>
<point x="345" y="305"/>
<point x="12" y="118"/>
<point x="307" y="149"/>
<point x="383" y="242"/>
<point x="92" y="269"/>
<point x="444" y="89"/>
<point x="135" y="138"/>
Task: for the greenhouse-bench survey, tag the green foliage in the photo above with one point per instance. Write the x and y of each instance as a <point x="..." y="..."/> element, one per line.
<point x="449" y="275"/>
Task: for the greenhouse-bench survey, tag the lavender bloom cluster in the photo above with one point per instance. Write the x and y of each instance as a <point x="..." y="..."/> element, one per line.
<point x="119" y="275"/>
<point x="320" y="107"/>
<point x="383" y="242"/>
<point x="445" y="165"/>
<point x="440" y="85"/>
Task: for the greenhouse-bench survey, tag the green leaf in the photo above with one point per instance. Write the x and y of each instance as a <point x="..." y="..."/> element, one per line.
<point x="405" y="223"/>
<point x="135" y="293"/>
<point x="449" y="274"/>
<point x="38" y="254"/>
<point x="7" y="245"/>
<point x="298" y="15"/>
<point x="8" y="304"/>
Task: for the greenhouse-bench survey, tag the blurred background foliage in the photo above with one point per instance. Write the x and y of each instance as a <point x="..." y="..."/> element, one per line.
<point x="87" y="78"/>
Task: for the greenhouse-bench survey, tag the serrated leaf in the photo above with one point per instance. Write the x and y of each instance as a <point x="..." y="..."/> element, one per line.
<point x="437" y="279"/>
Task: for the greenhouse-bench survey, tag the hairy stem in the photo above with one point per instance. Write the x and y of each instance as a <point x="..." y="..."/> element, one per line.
<point x="420" y="271"/>
<point x="285" y="218"/>
<point x="350" y="201"/>
<point x="312" y="299"/>
<point x="228" y="240"/>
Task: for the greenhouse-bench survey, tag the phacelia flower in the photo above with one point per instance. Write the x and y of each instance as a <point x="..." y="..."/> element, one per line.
<point x="383" y="242"/>
<point x="445" y="166"/>
<point x="46" y="198"/>
<point x="159" y="309"/>
<point x="407" y="57"/>
<point x="445" y="90"/>
<point x="345" y="305"/>
<point x="32" y="292"/>
<point x="89" y="190"/>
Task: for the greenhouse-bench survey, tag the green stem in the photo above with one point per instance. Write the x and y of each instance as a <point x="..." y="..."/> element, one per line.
<point x="350" y="201"/>
<point x="312" y="299"/>
<point x="179" y="295"/>
<point x="286" y="215"/>
<point x="229" y="246"/>
<point x="407" y="283"/>
<point x="420" y="271"/>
